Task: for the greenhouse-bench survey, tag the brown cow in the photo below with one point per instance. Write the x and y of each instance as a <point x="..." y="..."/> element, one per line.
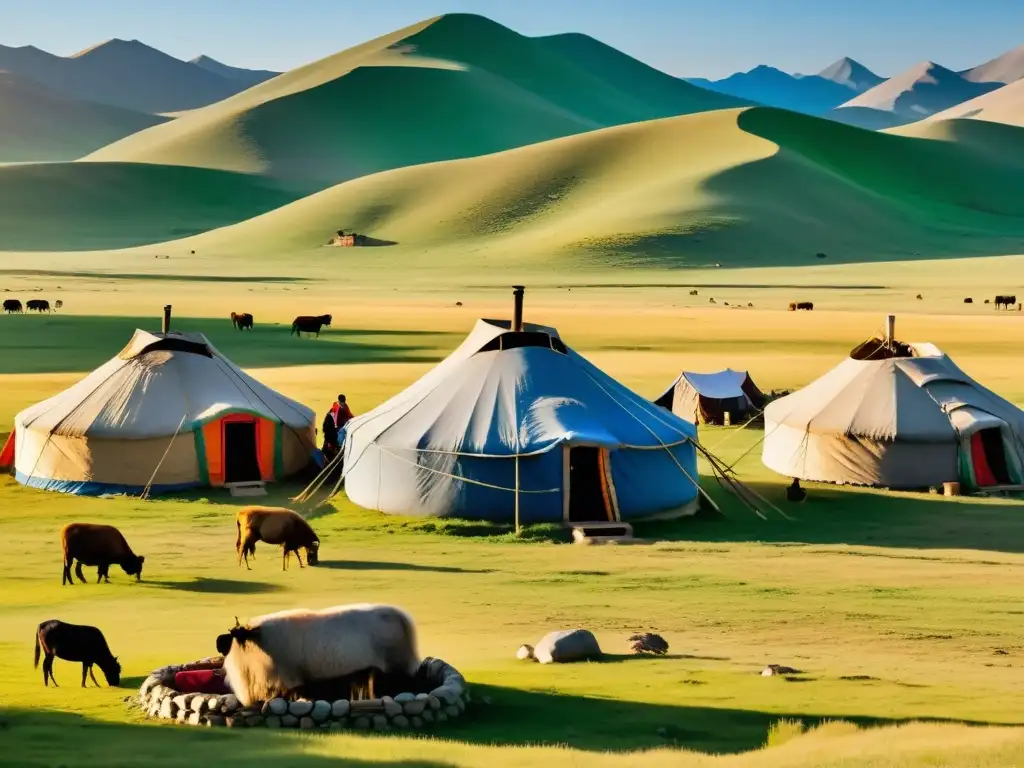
<point x="99" y="545"/>
<point x="275" y="525"/>
<point x="241" y="320"/>
<point x="308" y="324"/>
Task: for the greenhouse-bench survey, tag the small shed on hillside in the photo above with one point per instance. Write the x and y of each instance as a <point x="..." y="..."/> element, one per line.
<point x="705" y="398"/>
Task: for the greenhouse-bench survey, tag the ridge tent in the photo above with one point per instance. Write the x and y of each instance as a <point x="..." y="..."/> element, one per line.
<point x="518" y="418"/>
<point x="897" y="416"/>
<point x="705" y="398"/>
<point x="169" y="410"/>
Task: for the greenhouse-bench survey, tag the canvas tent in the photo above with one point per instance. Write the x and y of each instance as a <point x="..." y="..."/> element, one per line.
<point x="169" y="410"/>
<point x="705" y="398"/>
<point x="517" y="419"/>
<point x="908" y="419"/>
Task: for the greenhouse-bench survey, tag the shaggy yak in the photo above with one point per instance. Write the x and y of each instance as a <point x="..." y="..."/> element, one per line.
<point x="275" y="525"/>
<point x="241" y="320"/>
<point x="99" y="545"/>
<point x="283" y="653"/>
<point x="73" y="642"/>
<point x="308" y="324"/>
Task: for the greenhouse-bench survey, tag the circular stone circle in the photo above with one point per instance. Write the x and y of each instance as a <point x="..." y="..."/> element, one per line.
<point x="446" y="701"/>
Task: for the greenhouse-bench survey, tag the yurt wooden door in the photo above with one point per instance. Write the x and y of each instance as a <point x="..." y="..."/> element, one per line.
<point x="241" y="453"/>
<point x="588" y="493"/>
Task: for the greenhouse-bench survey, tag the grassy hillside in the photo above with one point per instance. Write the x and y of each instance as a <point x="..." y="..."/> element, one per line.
<point x="37" y="123"/>
<point x="759" y="187"/>
<point x="451" y="87"/>
<point x="79" y="206"/>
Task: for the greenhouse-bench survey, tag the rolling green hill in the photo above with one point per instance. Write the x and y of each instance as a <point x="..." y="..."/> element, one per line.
<point x="40" y="124"/>
<point x="80" y="206"/>
<point x="451" y="87"/>
<point x="755" y="187"/>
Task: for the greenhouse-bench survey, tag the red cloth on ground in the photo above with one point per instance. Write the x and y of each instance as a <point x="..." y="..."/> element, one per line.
<point x="983" y="474"/>
<point x="200" y="681"/>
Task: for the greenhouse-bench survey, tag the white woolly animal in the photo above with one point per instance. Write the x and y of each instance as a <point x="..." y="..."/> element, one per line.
<point x="279" y="652"/>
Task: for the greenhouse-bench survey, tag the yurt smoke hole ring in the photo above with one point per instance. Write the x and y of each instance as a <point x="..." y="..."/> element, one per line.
<point x="447" y="698"/>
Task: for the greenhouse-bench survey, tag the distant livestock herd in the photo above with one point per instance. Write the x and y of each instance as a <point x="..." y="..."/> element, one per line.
<point x="13" y="306"/>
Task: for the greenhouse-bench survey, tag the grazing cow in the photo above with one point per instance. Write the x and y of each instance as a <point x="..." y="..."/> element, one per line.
<point x="308" y="324"/>
<point x="58" y="304"/>
<point x="968" y="300"/>
<point x="99" y="545"/>
<point x="241" y="320"/>
<point x="808" y="305"/>
<point x="277" y="654"/>
<point x="1006" y="302"/>
<point x="792" y="306"/>
<point x="693" y="292"/>
<point x="73" y="642"/>
<point x="919" y="297"/>
<point x="275" y="525"/>
<point x="12" y="306"/>
<point x="38" y="305"/>
<point x="712" y="301"/>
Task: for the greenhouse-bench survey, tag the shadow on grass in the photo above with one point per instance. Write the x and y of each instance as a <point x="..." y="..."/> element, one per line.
<point x="46" y="737"/>
<point x="368" y="565"/>
<point x="58" y="343"/>
<point x="855" y="517"/>
<point x="203" y="585"/>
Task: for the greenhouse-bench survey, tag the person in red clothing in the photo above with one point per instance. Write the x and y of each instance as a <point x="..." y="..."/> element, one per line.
<point x="335" y="420"/>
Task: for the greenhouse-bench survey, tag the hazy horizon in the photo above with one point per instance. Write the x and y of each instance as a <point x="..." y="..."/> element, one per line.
<point x="673" y="35"/>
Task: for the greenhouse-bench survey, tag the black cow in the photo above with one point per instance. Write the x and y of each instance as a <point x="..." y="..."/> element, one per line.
<point x="968" y="300"/>
<point x="808" y="305"/>
<point x="308" y="324"/>
<point x="1005" y="302"/>
<point x="73" y="642"/>
<point x="38" y="305"/>
<point x="12" y="306"/>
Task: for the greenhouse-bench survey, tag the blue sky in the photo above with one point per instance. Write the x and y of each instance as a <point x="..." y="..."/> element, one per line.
<point x="684" y="37"/>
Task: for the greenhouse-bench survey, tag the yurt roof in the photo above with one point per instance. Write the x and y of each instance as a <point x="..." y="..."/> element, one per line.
<point x="157" y="385"/>
<point x="494" y="396"/>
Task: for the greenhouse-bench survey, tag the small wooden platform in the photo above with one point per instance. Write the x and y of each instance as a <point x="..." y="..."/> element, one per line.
<point x="257" y="488"/>
<point x="602" y="532"/>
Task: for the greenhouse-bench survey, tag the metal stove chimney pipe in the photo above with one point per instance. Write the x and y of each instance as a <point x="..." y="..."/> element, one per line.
<point x="517" y="317"/>
<point x="890" y="329"/>
<point x="166" y="326"/>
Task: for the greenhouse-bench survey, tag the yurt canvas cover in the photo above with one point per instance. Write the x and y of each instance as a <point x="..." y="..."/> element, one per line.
<point x="169" y="410"/>
<point x="705" y="398"/>
<point x="514" y="410"/>
<point x="902" y="422"/>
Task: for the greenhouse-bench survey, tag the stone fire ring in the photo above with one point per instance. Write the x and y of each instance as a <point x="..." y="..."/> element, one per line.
<point x="446" y="701"/>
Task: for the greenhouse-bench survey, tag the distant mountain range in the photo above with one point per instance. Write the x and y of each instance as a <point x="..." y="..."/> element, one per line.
<point x="131" y="75"/>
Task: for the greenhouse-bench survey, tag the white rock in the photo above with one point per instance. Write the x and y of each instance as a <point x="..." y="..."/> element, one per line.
<point x="567" y="645"/>
<point x="229" y="703"/>
<point x="194" y="718"/>
<point x="340" y="708"/>
<point x="434" y="702"/>
<point x="447" y="694"/>
<point x="525" y="653"/>
<point x="300" y="708"/>
<point x="168" y="709"/>
<point x="278" y="706"/>
<point x="402" y="698"/>
<point x="198" y="704"/>
<point x="321" y="711"/>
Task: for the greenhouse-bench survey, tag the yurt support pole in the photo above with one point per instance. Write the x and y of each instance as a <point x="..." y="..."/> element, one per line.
<point x="517" y="494"/>
<point x="890" y="330"/>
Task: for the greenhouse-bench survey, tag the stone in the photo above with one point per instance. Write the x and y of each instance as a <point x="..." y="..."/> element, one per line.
<point x="440" y="716"/>
<point x="435" y="668"/>
<point x="148" y="685"/>
<point x="182" y="714"/>
<point x="254" y="721"/>
<point x="340" y="708"/>
<point x="278" y="706"/>
<point x="229" y="703"/>
<point x="452" y="711"/>
<point x="416" y="722"/>
<point x="289" y="721"/>
<point x="215" y="720"/>
<point x="567" y="645"/>
<point x="362" y="723"/>
<point x="460" y="705"/>
<point x="307" y="723"/>
<point x="391" y="707"/>
<point x="234" y="722"/>
<point x="422" y="696"/>
<point x="181" y="701"/>
<point x="336" y="725"/>
<point x="168" y="709"/>
<point x="194" y="718"/>
<point x="466" y="696"/>
<point x="414" y="707"/>
<point x="403" y="698"/>
<point x="198" y="704"/>
<point x="321" y="711"/>
<point x="273" y="721"/>
<point x="300" y="708"/>
<point x="447" y="694"/>
<point x="380" y="722"/>
<point x="434" y="702"/>
<point x="400" y="721"/>
<point x="428" y="716"/>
